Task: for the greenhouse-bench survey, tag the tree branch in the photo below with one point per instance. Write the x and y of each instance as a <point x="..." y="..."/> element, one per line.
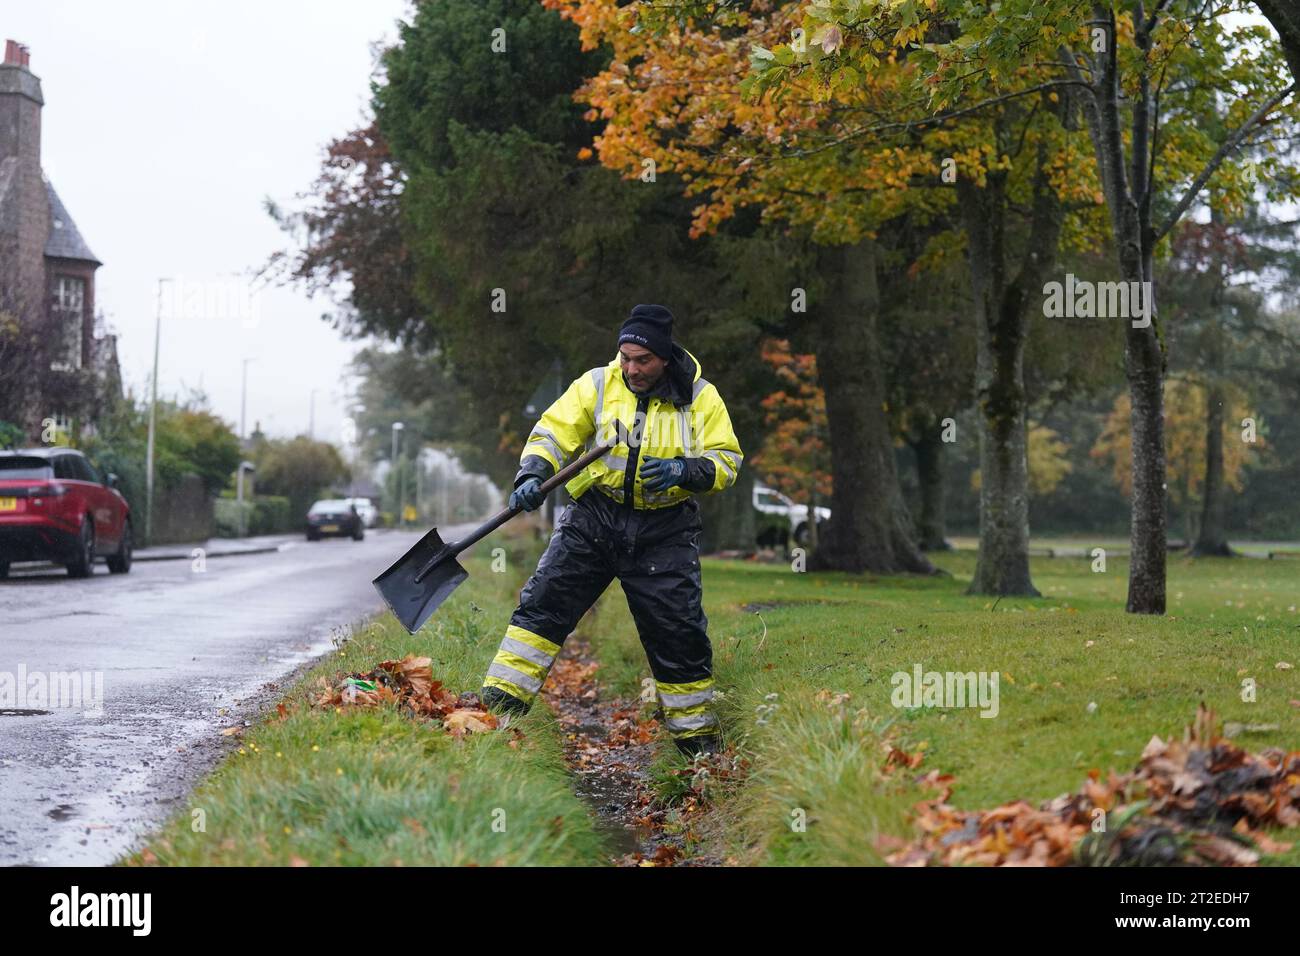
<point x="1217" y="160"/>
<point x="932" y="120"/>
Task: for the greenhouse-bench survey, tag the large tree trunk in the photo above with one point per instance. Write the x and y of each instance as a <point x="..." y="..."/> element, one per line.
<point x="1148" y="534"/>
<point x="1002" y="327"/>
<point x="1144" y="354"/>
<point x="1285" y="17"/>
<point x="928" y="448"/>
<point x="869" y="527"/>
<point x="1128" y="198"/>
<point x="1213" y="537"/>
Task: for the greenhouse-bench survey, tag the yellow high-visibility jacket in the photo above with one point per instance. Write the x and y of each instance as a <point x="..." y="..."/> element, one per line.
<point x="682" y="416"/>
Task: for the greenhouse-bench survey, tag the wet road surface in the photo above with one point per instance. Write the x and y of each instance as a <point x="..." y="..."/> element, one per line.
<point x="172" y="645"/>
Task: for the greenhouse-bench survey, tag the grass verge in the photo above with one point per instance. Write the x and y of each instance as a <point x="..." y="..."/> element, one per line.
<point x="1082" y="685"/>
<point x="358" y="787"/>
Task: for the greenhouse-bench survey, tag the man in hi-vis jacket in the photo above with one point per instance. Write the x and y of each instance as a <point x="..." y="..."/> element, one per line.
<point x="634" y="517"/>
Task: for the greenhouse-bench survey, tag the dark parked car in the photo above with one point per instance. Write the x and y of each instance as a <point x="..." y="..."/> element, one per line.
<point x="334" y="518"/>
<point x="56" y="505"/>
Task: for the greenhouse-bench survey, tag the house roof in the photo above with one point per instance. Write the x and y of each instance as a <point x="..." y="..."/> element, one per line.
<point x="65" y="241"/>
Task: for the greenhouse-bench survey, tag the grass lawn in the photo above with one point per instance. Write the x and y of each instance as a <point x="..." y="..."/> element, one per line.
<point x="374" y="787"/>
<point x="1055" y="657"/>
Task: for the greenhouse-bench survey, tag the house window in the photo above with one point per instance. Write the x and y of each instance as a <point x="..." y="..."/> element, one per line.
<point x="69" y="320"/>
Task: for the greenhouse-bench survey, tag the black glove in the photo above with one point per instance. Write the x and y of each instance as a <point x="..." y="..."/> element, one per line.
<point x="528" y="495"/>
<point x="660" y="474"/>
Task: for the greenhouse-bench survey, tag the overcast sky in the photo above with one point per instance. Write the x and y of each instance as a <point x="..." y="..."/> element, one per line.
<point x="165" y="126"/>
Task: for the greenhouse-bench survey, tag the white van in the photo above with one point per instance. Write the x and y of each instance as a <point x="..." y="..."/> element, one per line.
<point x="779" y="518"/>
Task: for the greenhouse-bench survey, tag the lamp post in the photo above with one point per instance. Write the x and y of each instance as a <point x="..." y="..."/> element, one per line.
<point x="397" y="431"/>
<point x="153" y="409"/>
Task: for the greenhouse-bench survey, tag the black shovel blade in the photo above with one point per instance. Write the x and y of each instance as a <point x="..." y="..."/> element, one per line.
<point x="413" y="602"/>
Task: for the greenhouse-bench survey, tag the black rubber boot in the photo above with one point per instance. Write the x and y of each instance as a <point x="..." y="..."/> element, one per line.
<point x="701" y="744"/>
<point x="494" y="698"/>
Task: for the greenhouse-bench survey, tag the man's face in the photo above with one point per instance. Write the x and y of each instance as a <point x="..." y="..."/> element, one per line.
<point x="641" y="366"/>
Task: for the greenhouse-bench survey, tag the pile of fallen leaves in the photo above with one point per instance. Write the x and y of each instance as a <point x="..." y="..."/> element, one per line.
<point x="1196" y="801"/>
<point x="408" y="684"/>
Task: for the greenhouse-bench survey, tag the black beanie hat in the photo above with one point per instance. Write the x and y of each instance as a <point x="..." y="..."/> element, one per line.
<point x="650" y="326"/>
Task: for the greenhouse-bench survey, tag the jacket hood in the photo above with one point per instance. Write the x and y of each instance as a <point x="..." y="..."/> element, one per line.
<point x="678" y="382"/>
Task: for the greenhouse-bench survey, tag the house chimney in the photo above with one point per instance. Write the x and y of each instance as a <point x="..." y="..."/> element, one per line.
<point x="20" y="109"/>
<point x="27" y="214"/>
<point x="16" y="54"/>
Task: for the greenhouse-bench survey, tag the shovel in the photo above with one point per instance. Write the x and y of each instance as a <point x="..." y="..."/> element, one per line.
<point x="426" y="575"/>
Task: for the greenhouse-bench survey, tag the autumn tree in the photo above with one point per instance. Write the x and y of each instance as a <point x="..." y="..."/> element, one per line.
<point x="350" y="244"/>
<point x="1144" y="76"/>
<point x="672" y="101"/>
<point x="794" y="458"/>
<point x="1187" y="443"/>
<point x="1048" y="461"/>
<point x="848" y="141"/>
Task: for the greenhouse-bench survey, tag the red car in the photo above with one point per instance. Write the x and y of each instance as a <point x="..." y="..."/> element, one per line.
<point x="55" y="505"/>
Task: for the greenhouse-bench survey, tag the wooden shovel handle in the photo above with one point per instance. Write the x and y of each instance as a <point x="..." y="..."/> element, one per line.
<point x="550" y="484"/>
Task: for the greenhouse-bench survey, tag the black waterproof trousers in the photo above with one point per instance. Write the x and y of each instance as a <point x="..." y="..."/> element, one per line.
<point x="655" y="555"/>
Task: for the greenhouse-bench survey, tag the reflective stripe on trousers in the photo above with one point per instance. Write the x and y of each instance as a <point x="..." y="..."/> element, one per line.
<point x="688" y="708"/>
<point x="523" y="660"/>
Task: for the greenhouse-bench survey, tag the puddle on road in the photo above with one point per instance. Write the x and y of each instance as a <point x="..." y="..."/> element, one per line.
<point x="62" y="812"/>
<point x="21" y="712"/>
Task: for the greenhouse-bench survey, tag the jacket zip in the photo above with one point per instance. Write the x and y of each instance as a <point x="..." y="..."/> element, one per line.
<point x="634" y="451"/>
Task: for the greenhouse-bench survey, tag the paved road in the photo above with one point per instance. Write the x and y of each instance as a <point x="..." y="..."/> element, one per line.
<point x="174" y="645"/>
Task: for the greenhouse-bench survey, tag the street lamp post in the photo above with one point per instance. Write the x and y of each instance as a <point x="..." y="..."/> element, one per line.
<point x="153" y="416"/>
<point x="397" y="431"/>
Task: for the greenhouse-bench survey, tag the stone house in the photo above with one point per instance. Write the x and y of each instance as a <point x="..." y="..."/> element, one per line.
<point x="47" y="276"/>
